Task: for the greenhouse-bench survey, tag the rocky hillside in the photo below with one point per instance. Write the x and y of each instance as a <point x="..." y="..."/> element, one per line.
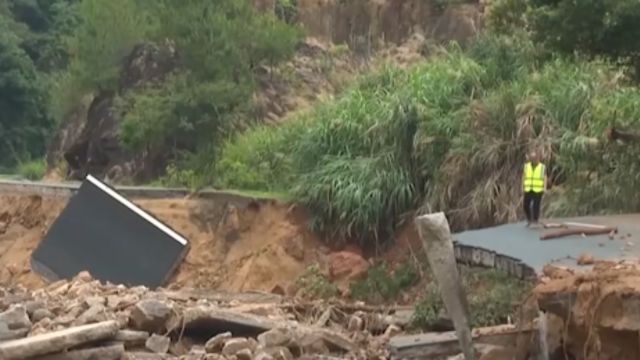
<point x="351" y="39"/>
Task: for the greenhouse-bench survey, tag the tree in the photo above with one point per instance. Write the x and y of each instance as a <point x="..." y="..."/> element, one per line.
<point x="220" y="44"/>
<point x="106" y="34"/>
<point x="41" y="26"/>
<point x="23" y="122"/>
<point x="607" y="28"/>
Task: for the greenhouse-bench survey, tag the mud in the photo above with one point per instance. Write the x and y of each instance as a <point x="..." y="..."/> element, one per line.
<point x="257" y="248"/>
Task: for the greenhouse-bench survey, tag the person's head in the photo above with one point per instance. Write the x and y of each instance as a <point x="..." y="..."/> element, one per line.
<point x="534" y="157"/>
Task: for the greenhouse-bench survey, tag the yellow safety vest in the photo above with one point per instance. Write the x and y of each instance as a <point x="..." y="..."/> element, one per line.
<point x="534" y="178"/>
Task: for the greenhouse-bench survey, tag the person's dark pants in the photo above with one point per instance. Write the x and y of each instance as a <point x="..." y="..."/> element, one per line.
<point x="532" y="206"/>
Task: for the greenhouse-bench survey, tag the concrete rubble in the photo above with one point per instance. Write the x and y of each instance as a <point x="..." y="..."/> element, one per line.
<point x="84" y="319"/>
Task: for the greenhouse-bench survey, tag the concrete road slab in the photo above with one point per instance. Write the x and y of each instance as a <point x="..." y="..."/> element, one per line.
<point x="522" y="243"/>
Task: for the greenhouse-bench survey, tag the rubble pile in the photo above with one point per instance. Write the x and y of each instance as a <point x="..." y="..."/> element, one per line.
<point x="84" y="319"/>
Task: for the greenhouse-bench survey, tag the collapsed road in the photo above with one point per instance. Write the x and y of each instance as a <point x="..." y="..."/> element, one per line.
<point x="527" y="251"/>
<point x="85" y="318"/>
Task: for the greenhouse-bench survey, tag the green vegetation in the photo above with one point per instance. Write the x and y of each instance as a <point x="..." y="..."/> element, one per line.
<point x="449" y="134"/>
<point x="32" y="170"/>
<point x="382" y="286"/>
<point x="28" y="50"/>
<point x="23" y="123"/>
<point x="493" y="298"/>
<point x="593" y="27"/>
<point x="314" y="284"/>
<point x="205" y="99"/>
<point x="56" y="52"/>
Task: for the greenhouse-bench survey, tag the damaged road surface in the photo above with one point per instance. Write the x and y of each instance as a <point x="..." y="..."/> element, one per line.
<point x="102" y="232"/>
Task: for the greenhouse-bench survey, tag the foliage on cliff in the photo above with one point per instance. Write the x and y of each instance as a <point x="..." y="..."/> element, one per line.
<point x="56" y="52"/>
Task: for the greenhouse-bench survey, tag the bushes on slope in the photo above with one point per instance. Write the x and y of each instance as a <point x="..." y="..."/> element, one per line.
<point x="451" y="135"/>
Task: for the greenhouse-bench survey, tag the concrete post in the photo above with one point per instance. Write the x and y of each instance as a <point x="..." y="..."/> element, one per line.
<point x="438" y="244"/>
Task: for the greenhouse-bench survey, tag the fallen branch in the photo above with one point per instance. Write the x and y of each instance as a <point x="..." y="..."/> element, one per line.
<point x="626" y="136"/>
<point x="584" y="225"/>
<point x="324" y="318"/>
<point x="579" y="231"/>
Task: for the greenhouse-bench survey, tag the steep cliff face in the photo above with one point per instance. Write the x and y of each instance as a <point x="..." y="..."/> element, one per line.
<point x="89" y="141"/>
<point x="367" y="24"/>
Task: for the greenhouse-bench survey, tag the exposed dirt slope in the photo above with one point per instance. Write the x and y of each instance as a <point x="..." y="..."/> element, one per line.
<point x="600" y="309"/>
<point x="367" y="24"/>
<point x="256" y="248"/>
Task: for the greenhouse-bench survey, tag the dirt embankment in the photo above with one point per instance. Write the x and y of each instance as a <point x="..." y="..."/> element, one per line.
<point x="232" y="248"/>
<point x="600" y="310"/>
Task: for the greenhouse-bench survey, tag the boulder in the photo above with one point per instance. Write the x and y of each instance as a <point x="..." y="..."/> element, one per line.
<point x="216" y="343"/>
<point x="15" y="318"/>
<point x="158" y="344"/>
<point x="150" y="315"/>
<point x="244" y="354"/>
<point x="586" y="259"/>
<point x="277" y="353"/>
<point x="275" y="337"/>
<point x="41" y="314"/>
<point x="263" y="356"/>
<point x="95" y="313"/>
<point x="235" y="345"/>
<point x="34" y="305"/>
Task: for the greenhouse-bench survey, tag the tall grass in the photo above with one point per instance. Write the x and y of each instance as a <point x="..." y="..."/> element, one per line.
<point x="448" y="135"/>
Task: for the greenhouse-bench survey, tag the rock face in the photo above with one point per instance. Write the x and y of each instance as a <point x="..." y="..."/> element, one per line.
<point x="89" y="142"/>
<point x="364" y="23"/>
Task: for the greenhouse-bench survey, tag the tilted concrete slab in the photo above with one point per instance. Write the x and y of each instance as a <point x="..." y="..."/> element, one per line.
<point x="519" y="250"/>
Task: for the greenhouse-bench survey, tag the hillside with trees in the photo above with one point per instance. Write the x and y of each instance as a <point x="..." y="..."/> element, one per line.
<point x="164" y="92"/>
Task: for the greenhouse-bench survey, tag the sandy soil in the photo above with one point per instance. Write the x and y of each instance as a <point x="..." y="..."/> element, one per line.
<point x="252" y="249"/>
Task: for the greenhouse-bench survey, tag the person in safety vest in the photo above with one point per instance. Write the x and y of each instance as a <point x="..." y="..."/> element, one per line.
<point x="534" y="183"/>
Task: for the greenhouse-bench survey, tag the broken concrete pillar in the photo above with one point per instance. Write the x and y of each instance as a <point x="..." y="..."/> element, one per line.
<point x="438" y="244"/>
<point x="57" y="341"/>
